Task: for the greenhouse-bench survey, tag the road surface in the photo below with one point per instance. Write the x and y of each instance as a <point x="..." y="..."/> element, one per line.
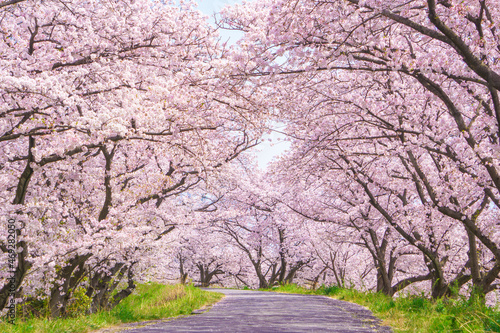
<point x="259" y="311"/>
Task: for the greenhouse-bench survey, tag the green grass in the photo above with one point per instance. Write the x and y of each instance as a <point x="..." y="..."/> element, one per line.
<point x="148" y="302"/>
<point x="415" y="313"/>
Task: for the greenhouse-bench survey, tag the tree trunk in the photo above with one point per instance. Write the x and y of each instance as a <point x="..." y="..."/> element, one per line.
<point x="23" y="265"/>
<point x="101" y="287"/>
<point x="70" y="277"/>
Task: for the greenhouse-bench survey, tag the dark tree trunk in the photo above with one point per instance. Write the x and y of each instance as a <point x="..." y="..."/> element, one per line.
<point x="23" y="265"/>
<point x="183" y="274"/>
<point x="263" y="284"/>
<point x="70" y="275"/>
<point x="206" y="274"/>
<point x="102" y="286"/>
<point x="122" y="294"/>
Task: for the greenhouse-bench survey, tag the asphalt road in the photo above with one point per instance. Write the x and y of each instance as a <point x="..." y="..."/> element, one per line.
<point x="258" y="311"/>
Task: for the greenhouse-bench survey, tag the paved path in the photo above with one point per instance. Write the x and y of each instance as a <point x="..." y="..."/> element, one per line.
<point x="258" y="311"/>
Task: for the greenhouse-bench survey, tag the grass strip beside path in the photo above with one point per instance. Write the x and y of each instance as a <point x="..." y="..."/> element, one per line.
<point x="150" y="301"/>
<point x="414" y="313"/>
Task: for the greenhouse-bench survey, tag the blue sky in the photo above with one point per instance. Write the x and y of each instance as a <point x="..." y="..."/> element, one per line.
<point x="212" y="6"/>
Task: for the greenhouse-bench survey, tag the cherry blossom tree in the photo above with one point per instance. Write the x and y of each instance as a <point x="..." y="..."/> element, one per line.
<point x="203" y="255"/>
<point x="272" y="242"/>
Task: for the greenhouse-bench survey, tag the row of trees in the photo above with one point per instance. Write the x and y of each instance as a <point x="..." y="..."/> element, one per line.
<point x="393" y="113"/>
<point x="109" y="112"/>
<point x="249" y="235"/>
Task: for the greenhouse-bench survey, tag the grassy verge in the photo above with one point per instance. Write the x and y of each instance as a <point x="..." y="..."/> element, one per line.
<point x="150" y="301"/>
<point x="415" y="313"/>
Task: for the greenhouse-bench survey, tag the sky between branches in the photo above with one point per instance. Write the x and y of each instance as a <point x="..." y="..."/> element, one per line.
<point x="267" y="150"/>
